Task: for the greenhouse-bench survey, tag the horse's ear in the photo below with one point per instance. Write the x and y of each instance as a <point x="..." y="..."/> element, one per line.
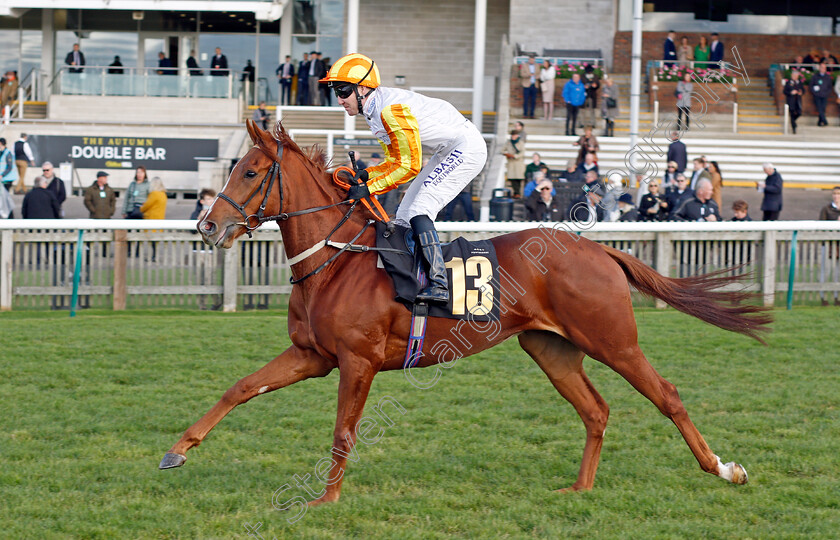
<point x="253" y="130"/>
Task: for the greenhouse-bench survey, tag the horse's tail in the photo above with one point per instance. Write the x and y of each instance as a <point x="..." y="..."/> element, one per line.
<point x="699" y="296"/>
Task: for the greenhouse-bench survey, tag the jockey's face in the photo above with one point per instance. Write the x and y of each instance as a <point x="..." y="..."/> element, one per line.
<point x="351" y="104"/>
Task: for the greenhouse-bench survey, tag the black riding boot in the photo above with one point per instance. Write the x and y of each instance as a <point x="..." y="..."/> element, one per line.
<point x="436" y="290"/>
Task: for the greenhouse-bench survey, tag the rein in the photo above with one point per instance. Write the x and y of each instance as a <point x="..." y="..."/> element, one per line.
<point x="253" y="221"/>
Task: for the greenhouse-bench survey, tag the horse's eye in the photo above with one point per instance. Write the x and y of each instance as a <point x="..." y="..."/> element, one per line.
<point x="250" y="174"/>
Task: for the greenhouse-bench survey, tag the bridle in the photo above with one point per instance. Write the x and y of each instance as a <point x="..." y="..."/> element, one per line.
<point x="253" y="221"/>
<point x="274" y="175"/>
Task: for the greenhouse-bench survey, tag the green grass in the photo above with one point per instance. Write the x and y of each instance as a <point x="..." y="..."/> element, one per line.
<point x="89" y="406"/>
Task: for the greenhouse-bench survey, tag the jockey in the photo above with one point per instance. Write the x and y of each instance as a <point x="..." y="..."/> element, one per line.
<point x="404" y="121"/>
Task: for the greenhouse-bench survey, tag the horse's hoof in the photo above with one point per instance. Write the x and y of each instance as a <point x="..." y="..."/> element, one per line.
<point x="739" y="473"/>
<point x="172" y="460"/>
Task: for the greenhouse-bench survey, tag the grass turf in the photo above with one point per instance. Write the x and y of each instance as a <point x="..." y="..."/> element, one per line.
<point x="91" y="404"/>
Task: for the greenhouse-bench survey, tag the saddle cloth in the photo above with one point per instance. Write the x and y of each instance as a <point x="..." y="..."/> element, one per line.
<point x="471" y="268"/>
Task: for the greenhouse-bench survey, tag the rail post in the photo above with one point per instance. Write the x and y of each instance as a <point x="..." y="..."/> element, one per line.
<point x="768" y="285"/>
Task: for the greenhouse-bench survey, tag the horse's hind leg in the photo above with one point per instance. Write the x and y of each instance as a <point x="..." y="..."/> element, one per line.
<point x="563" y="363"/>
<point x="292" y="366"/>
<point x="631" y="364"/>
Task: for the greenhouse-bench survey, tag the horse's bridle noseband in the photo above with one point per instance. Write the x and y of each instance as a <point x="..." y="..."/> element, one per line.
<point x="274" y="174"/>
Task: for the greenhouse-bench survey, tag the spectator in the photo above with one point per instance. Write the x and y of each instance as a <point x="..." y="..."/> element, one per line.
<point x="23" y="158"/>
<point x="685" y="52"/>
<point x="837" y="89"/>
<point x="10" y="90"/>
<point x="821" y="88"/>
<point x="669" y="179"/>
<point x="7" y="205"/>
<point x="677" y="196"/>
<point x="829" y="58"/>
<point x="683" y="92"/>
<point x="701" y="207"/>
<point x="793" y="95"/>
<point x="514" y="151"/>
<point x="592" y="85"/>
<point x="717" y="183"/>
<point x="76" y="59"/>
<point x="520" y="127"/>
<point x="574" y="95"/>
<point x="8" y="170"/>
<point x="702" y="53"/>
<point x="465" y="198"/>
<point x="542" y="205"/>
<point x="40" y="203"/>
<point x="609" y="107"/>
<point x="812" y="58"/>
<point x="715" y="49"/>
<point x="699" y="172"/>
<point x="740" y="211"/>
<point x="626" y="210"/>
<point x="219" y="64"/>
<point x="571" y="174"/>
<point x="534" y="166"/>
<point x="677" y="152"/>
<point x="317" y="71"/>
<point x="670" y="49"/>
<point x="528" y="75"/>
<point x="165" y="65"/>
<point x="248" y="72"/>
<point x="588" y="164"/>
<point x="653" y="207"/>
<point x="303" y="81"/>
<point x="532" y="184"/>
<point x="588" y="145"/>
<point x="771" y="205"/>
<point x="261" y="115"/>
<point x="205" y="200"/>
<point x="116" y="67"/>
<point x="547" y="75"/>
<point x="100" y="199"/>
<point x="55" y="185"/>
<point x="136" y="194"/>
<point x="829" y="254"/>
<point x="192" y="65"/>
<point x="155" y="205"/>
<point x="587" y="207"/>
<point x="285" y="72"/>
<point x="799" y="63"/>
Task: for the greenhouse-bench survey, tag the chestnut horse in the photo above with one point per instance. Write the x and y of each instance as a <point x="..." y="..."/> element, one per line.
<point x="576" y="302"/>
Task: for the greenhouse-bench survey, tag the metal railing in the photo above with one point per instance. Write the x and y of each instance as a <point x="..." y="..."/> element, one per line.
<point x="125" y="264"/>
<point x="154" y="82"/>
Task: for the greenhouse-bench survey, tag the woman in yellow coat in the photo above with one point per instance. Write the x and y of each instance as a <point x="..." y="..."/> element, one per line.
<point x="155" y="205"/>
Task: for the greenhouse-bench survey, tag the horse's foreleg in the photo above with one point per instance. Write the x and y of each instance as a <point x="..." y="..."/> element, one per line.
<point x="563" y="363"/>
<point x="631" y="364"/>
<point x="353" y="387"/>
<point x="292" y="366"/>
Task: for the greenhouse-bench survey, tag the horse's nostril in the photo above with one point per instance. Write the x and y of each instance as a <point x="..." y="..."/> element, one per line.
<point x="209" y="227"/>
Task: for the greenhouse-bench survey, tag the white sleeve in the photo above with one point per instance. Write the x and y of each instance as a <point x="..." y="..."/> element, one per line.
<point x="28" y="151"/>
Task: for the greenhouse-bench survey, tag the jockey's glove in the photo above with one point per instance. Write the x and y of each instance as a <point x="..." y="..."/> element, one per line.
<point x="360" y="190"/>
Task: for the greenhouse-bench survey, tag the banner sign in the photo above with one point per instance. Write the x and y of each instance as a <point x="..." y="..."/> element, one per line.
<point x="109" y="152"/>
<point x="340" y="141"/>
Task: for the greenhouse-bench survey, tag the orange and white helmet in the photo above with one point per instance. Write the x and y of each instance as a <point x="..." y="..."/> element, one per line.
<point x="354" y="68"/>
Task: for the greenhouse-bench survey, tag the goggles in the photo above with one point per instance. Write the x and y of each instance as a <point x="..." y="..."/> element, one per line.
<point x="343" y="90"/>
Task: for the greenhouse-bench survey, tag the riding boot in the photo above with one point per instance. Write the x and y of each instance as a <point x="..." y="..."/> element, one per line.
<point x="437" y="289"/>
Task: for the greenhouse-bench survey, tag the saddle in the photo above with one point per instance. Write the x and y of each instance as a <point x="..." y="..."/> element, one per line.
<point x="472" y="270"/>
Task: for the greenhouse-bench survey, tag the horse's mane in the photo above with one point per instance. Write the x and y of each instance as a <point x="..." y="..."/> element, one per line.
<point x="314" y="154"/>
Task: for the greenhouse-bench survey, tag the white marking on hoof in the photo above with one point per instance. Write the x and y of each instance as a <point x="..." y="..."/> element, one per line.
<point x="265" y="389"/>
<point x="732" y="471"/>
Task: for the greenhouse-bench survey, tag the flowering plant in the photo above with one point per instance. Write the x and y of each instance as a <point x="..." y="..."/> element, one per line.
<point x="805" y="75"/>
<point x="676" y="73"/>
<point x="567" y="69"/>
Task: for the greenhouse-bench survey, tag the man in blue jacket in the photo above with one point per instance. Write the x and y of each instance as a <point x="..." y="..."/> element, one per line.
<point x="771" y="205"/>
<point x="574" y="94"/>
<point x="670" y="49"/>
<point x="821" y="88"/>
